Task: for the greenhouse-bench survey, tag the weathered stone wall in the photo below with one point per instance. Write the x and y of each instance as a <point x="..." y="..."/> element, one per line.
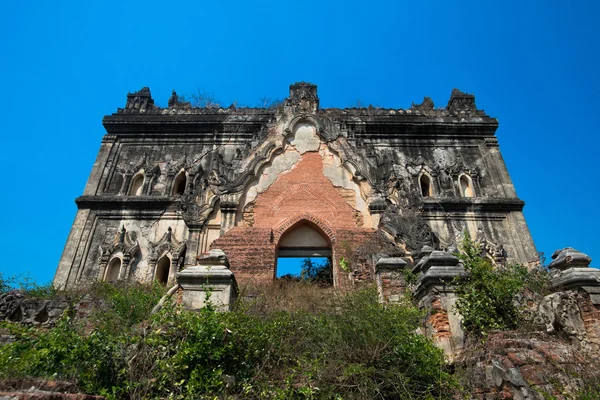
<point x="520" y="365"/>
<point x="355" y="170"/>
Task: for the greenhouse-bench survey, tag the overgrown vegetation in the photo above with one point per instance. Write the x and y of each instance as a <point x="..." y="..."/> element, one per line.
<point x="271" y="346"/>
<point x="486" y="294"/>
<point x="27" y="285"/>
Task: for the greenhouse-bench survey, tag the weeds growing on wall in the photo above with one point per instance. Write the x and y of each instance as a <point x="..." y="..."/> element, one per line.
<point x="348" y="346"/>
<point x="486" y="294"/>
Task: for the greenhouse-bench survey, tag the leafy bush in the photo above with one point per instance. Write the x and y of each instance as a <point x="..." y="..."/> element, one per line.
<point x="350" y="347"/>
<point x="127" y="303"/>
<point x="486" y="294"/>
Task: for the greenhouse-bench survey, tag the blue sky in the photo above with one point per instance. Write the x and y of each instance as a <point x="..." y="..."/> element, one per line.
<point x="533" y="65"/>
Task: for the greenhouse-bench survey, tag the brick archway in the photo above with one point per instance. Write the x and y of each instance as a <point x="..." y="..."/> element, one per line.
<point x="291" y="221"/>
<point x="306" y="237"/>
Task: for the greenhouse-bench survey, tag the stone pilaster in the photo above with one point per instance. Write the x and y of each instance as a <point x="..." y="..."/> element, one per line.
<point x="391" y="283"/>
<point x="571" y="271"/>
<point x="435" y="289"/>
<point x="228" y="211"/>
<point x="211" y="281"/>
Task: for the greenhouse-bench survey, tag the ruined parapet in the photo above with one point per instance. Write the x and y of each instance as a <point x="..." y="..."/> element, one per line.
<point x="210" y="281"/>
<point x="435" y="289"/>
<point x="571" y="271"/>
<point x="574" y="307"/>
<point x="520" y="365"/>
<point x="391" y="283"/>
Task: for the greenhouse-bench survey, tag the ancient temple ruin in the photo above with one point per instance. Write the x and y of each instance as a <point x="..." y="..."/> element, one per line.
<point x="169" y="184"/>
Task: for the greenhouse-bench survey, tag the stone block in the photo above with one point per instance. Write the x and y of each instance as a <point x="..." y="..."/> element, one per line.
<point x="390" y="264"/>
<point x="209" y="282"/>
<point x="570" y="271"/>
<point x="569" y="258"/>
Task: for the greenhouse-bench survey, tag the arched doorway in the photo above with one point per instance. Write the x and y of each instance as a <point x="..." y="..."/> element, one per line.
<point x="304" y="250"/>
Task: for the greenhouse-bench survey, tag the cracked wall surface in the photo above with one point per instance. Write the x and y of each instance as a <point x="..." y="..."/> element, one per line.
<point x="210" y="174"/>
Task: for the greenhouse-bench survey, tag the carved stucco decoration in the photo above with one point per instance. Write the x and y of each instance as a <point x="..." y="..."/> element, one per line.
<point x="489" y="249"/>
<point x="303" y="98"/>
<point x="461" y="102"/>
<point x="167" y="244"/>
<point x="138" y="102"/>
<point x="194" y="175"/>
<point x="195" y="209"/>
<point x="124" y="242"/>
<point x="406" y="226"/>
<point x="151" y="174"/>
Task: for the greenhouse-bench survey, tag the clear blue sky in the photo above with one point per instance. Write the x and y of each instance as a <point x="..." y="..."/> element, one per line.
<point x="534" y="65"/>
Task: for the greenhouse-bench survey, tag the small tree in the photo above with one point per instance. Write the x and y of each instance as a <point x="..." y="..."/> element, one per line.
<point x="486" y="294"/>
<point x="320" y="273"/>
<point x="204" y="99"/>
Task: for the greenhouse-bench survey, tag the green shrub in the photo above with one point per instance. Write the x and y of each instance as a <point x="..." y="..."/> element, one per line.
<point x="63" y="353"/>
<point x="352" y="347"/>
<point x="486" y="294"/>
<point x="126" y="303"/>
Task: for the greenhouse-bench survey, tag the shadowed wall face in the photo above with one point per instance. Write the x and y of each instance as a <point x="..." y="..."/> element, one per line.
<point x="175" y="182"/>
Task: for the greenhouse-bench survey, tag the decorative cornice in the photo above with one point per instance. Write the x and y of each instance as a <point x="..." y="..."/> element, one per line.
<point x="125" y="202"/>
<point x="447" y="204"/>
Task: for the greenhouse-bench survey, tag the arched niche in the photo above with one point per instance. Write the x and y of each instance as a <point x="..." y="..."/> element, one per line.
<point x="163" y="268"/>
<point x="113" y="271"/>
<point x="137" y="184"/>
<point x="304" y="137"/>
<point x="179" y="184"/>
<point x="466" y="186"/>
<point x="425" y="185"/>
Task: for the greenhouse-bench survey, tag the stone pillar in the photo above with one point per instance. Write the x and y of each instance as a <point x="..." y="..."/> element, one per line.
<point x="126" y="182"/>
<point x="147" y="185"/>
<point x="228" y="211"/>
<point x="209" y="281"/>
<point x="169" y="183"/>
<point x="391" y="283"/>
<point x="376" y="209"/>
<point x="193" y="245"/>
<point x="189" y="184"/>
<point x="435" y="290"/>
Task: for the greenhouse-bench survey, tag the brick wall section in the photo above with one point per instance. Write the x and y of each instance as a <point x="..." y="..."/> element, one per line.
<point x="304" y="189"/>
<point x="524" y="365"/>
<point x="301" y="194"/>
<point x="590" y="314"/>
<point x="250" y="251"/>
<point x="392" y="286"/>
<point x="438" y="320"/>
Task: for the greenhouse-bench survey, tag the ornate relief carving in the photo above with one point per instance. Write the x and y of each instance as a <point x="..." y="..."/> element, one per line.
<point x="151" y="174"/>
<point x="493" y="251"/>
<point x="406" y="225"/>
<point x="123" y="242"/>
<point x="303" y="98"/>
<point x="167" y="244"/>
<point x="138" y="102"/>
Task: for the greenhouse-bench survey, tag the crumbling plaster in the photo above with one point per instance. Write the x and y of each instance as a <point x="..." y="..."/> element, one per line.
<point x="372" y="157"/>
